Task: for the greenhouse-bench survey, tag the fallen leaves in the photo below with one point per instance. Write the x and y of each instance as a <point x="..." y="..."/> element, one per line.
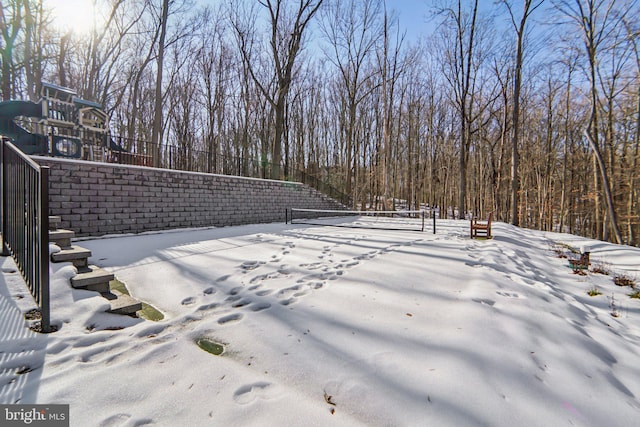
<point x="328" y="398"/>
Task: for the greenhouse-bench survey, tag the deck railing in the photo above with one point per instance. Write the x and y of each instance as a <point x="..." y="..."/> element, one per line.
<point x="25" y="222"/>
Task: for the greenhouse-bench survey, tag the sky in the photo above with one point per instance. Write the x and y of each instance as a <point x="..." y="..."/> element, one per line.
<point x="77" y="14"/>
<point x="414" y="15"/>
<point x="73" y="14"/>
<point x="335" y="326"/>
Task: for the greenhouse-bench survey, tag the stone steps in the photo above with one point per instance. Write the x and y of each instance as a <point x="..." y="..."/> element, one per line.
<point x="88" y="277"/>
<point x="95" y="279"/>
<point x="62" y="238"/>
<point x="54" y="222"/>
<point x="122" y="303"/>
<point x="74" y="254"/>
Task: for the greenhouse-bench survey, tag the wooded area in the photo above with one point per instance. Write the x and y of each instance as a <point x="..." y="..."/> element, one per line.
<point x="529" y="109"/>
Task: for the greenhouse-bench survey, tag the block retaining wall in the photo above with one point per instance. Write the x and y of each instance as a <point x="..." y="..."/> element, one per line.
<point x="94" y="199"/>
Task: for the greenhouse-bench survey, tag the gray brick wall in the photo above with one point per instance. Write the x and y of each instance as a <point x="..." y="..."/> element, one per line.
<point x="94" y="199"/>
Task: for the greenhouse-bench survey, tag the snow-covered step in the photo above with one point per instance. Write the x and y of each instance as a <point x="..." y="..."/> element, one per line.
<point x="75" y="254"/>
<point x="122" y="303"/>
<point x="96" y="279"/>
<point x="61" y="238"/>
<point x="88" y="277"/>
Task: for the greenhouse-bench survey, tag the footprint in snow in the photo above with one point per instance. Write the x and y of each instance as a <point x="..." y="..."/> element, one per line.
<point x="115" y="420"/>
<point x="484" y="301"/>
<point x="290" y="289"/>
<point x="260" y="306"/>
<point x="152" y="331"/>
<point x="209" y="291"/>
<point x="508" y="294"/>
<point x="284" y="269"/>
<point x="236" y="290"/>
<point x="242" y="303"/>
<point x="207" y="307"/>
<point x="474" y="264"/>
<point x="188" y="301"/>
<point x="250" y="265"/>
<point x="250" y="392"/>
<point x="230" y="318"/>
<point x="301" y="293"/>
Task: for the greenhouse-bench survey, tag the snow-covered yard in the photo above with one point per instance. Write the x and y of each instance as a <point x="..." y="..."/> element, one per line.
<point x="335" y="326"/>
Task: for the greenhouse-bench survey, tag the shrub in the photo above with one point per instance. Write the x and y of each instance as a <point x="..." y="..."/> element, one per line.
<point x="600" y="267"/>
<point x="594" y="292"/>
<point x="623" y="280"/>
<point x="579" y="270"/>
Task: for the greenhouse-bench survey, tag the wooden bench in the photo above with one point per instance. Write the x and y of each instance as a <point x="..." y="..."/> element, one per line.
<point x="481" y="229"/>
<point x="584" y="261"/>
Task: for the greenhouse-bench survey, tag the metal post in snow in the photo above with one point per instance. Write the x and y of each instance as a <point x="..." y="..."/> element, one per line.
<point x="433" y="213"/>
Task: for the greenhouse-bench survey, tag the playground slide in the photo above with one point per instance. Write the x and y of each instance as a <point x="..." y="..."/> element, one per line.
<point x="114" y="146"/>
<point x="28" y="142"/>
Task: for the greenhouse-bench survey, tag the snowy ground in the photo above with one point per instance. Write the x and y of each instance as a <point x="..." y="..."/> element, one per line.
<point x="335" y="326"/>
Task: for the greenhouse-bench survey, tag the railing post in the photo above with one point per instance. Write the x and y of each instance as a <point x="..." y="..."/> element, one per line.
<point x="43" y="232"/>
<point x="3" y="219"/>
<point x="51" y="143"/>
<point x="433" y="214"/>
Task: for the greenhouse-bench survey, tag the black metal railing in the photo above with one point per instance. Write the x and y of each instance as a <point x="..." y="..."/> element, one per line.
<point x="25" y="222"/>
<point x="33" y="139"/>
<point x="186" y="158"/>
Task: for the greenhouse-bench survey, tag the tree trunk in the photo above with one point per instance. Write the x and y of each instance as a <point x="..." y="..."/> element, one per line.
<point x="517" y="84"/>
<point x="9" y="31"/>
<point x="611" y="213"/>
<point x="632" y="177"/>
<point x="157" y="117"/>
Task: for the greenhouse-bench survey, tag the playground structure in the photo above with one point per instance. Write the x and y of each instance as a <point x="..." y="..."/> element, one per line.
<point x="61" y="124"/>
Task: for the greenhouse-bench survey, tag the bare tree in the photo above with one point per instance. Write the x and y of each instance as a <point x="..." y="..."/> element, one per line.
<point x="570" y="63"/>
<point x="633" y="35"/>
<point x="213" y="62"/>
<point x="11" y="16"/>
<point x="459" y="42"/>
<point x="596" y="19"/>
<point x="528" y="8"/>
<point x="33" y="46"/>
<point x="157" y="118"/>
<point x="352" y="29"/>
<point x="287" y="26"/>
<point x="390" y="65"/>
